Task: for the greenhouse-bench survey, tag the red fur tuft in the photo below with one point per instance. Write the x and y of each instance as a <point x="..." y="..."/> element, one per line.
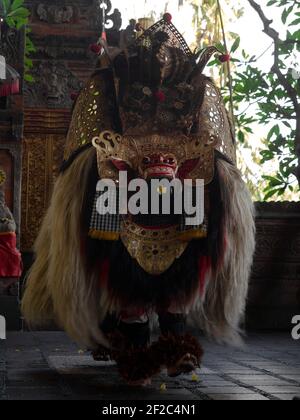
<point x="204" y="265"/>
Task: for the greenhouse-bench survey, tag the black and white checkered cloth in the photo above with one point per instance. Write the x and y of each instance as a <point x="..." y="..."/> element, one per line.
<point x="111" y="223"/>
<point x="106" y="222"/>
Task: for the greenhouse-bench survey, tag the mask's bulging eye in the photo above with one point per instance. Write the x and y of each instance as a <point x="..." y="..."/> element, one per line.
<point x="170" y="161"/>
<point x="146" y="160"/>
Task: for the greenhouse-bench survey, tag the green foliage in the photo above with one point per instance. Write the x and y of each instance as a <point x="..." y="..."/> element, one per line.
<point x="266" y="102"/>
<point x="16" y="16"/>
<point x="207" y="22"/>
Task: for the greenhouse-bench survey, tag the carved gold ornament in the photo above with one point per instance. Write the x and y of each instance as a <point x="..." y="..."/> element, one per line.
<point x="91" y="115"/>
<point x="155" y="250"/>
<point x="2" y="177"/>
<point x="133" y="149"/>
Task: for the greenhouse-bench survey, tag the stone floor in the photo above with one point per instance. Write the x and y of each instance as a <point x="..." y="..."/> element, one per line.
<point x="48" y="366"/>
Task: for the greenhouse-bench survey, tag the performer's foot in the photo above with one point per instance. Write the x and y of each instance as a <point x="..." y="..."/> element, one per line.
<point x="141" y="383"/>
<point x="186" y="364"/>
<point x="180" y="354"/>
<point x="102" y="354"/>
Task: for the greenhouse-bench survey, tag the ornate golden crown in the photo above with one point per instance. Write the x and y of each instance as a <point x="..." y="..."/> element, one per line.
<point x="155" y="87"/>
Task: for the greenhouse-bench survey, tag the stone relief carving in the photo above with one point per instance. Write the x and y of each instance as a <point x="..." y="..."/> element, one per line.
<point x="52" y="87"/>
<point x="10" y="44"/>
<point x="55" y="14"/>
<point x="113" y="20"/>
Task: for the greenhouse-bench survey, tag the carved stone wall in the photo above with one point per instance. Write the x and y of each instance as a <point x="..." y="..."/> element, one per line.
<point x="274" y="295"/>
<point x="11" y="131"/>
<point x="62" y="31"/>
<point x="11" y="122"/>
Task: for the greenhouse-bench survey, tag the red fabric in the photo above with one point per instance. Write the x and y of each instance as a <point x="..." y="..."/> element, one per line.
<point x="10" y="88"/>
<point x="10" y="257"/>
<point x="204" y="265"/>
<point x="133" y="313"/>
<point x="187" y="167"/>
<point x="104" y="273"/>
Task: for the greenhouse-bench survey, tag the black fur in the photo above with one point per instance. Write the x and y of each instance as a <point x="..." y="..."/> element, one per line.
<point x="128" y="283"/>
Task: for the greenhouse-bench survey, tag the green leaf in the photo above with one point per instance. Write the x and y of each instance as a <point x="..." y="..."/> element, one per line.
<point x="16" y="4"/>
<point x="286" y="13"/>
<point x="241" y="137"/>
<point x="21" y="23"/>
<point x="274" y="131"/>
<point x="20" y="12"/>
<point x="10" y="22"/>
<point x="29" y="78"/>
<point x="295" y="22"/>
<point x="221" y="47"/>
<point x="6" y="6"/>
<point x="271" y="193"/>
<point x="235" y="45"/>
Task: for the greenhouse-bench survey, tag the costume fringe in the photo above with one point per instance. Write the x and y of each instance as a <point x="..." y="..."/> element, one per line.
<point x="140" y="364"/>
<point x="104" y="236"/>
<point x="58" y="286"/>
<point x="193" y="234"/>
<point x="222" y="308"/>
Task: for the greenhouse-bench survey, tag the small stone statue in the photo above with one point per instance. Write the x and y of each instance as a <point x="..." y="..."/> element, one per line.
<point x="10" y="257"/>
<point x="7" y="223"/>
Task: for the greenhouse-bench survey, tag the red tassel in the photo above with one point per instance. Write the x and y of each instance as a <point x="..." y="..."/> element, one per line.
<point x="160" y="96"/>
<point x="15" y="87"/>
<point x="8" y="89"/>
<point x="204" y="265"/>
<point x="225" y="58"/>
<point x="104" y="273"/>
<point x="96" y="48"/>
<point x="167" y="17"/>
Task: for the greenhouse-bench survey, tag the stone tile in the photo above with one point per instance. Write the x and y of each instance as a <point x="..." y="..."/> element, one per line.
<point x="216" y="383"/>
<point x="284" y="370"/>
<point x="70" y="364"/>
<point x="234" y="389"/>
<point x="38" y="393"/>
<point x="286" y="397"/>
<point x="260" y="380"/>
<point x="50" y="366"/>
<point x="238" y="397"/>
<point x="206" y="371"/>
<point x="280" y="389"/>
<point x="33" y="378"/>
<point x="291" y="377"/>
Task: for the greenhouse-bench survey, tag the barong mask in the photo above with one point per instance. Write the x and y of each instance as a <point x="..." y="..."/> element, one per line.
<point x="152" y="113"/>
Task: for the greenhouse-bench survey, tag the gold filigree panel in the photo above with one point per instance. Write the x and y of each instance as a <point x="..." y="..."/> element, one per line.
<point x="91" y="115"/>
<point x="214" y="119"/>
<point x="42" y="157"/>
<point x="154" y="250"/>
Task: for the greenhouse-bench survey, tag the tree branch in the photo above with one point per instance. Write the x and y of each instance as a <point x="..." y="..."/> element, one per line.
<point x="291" y="91"/>
<point x="272" y="33"/>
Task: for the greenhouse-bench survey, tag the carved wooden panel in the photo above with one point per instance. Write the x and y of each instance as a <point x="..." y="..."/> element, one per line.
<point x="274" y="294"/>
<point x="42" y="157"/>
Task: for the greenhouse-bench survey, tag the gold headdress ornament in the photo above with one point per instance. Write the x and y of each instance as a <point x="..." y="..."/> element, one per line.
<point x="154" y="96"/>
<point x="2" y="177"/>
